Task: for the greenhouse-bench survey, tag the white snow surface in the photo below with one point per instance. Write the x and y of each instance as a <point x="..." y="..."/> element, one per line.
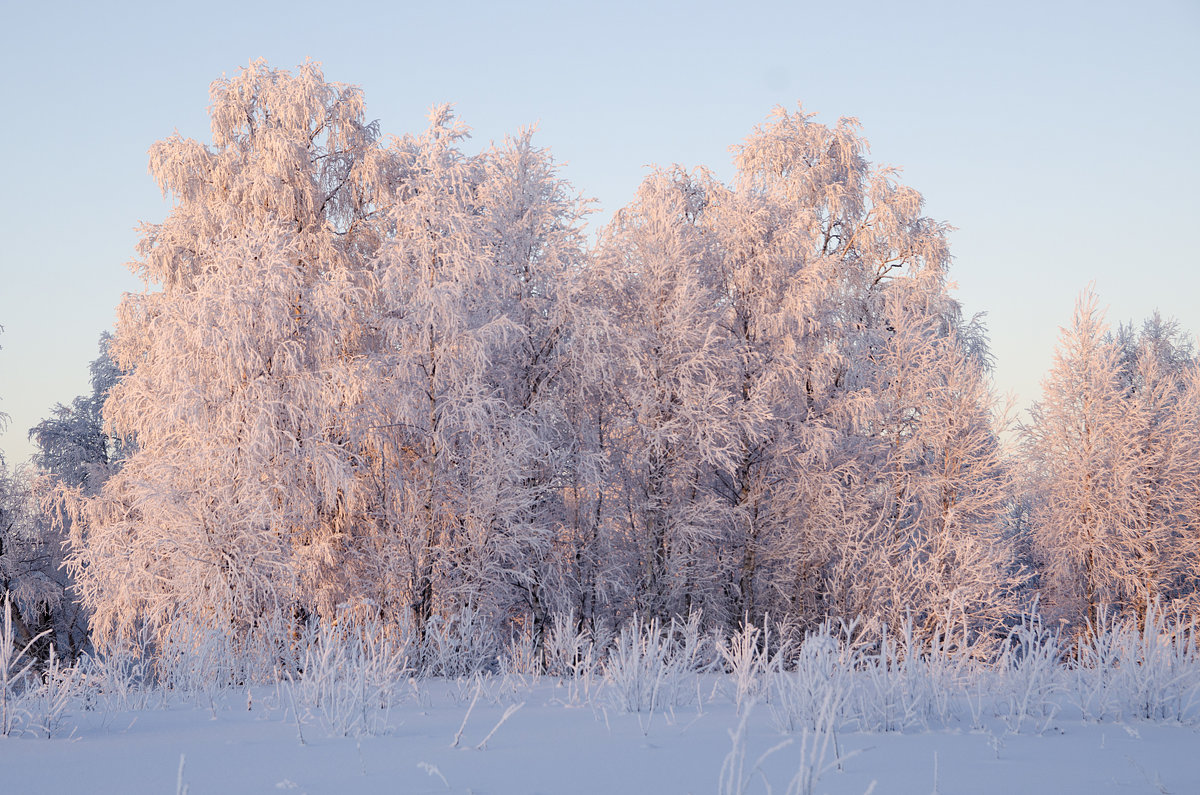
<point x="247" y="740"/>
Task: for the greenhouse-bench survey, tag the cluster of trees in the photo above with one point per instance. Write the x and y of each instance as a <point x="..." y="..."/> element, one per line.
<point x="74" y="455"/>
<point x="398" y="380"/>
<point x="1113" y="454"/>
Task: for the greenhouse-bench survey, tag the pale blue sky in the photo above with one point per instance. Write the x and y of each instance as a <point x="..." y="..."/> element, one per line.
<point x="1060" y="138"/>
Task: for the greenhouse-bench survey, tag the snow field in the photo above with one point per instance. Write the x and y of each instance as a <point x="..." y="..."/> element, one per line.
<point x="659" y="710"/>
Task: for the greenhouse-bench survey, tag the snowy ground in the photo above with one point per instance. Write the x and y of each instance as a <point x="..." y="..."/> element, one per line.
<point x="565" y="741"/>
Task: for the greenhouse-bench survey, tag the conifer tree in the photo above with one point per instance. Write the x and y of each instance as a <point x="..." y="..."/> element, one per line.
<point x="1113" y="458"/>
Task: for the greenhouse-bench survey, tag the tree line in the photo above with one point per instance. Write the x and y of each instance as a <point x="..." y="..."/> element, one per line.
<point x="398" y="380"/>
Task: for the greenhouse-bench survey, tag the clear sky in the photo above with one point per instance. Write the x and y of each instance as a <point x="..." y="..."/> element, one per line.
<point x="1060" y="138"/>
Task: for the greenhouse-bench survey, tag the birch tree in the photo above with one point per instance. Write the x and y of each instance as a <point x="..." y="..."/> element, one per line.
<point x="532" y="235"/>
<point x="481" y="254"/>
<point x="673" y="426"/>
<point x="242" y="358"/>
<point x="941" y="552"/>
<point x="811" y="236"/>
<point x="392" y="379"/>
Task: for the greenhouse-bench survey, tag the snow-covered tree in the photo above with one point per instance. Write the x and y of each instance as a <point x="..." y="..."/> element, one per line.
<point x="1074" y="447"/>
<point x="29" y="557"/>
<point x="832" y="277"/>
<point x="532" y="222"/>
<point x="480" y="258"/>
<point x="1158" y="373"/>
<point x="74" y="457"/>
<point x="586" y="573"/>
<point x="393" y="379"/>
<point x="243" y="359"/>
<point x="1112" y="449"/>
<point x="795" y="234"/>
<point x="72" y="444"/>
<point x="803" y="422"/>
<point x="669" y="394"/>
<point x="31" y="567"/>
<point x="940" y="551"/>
